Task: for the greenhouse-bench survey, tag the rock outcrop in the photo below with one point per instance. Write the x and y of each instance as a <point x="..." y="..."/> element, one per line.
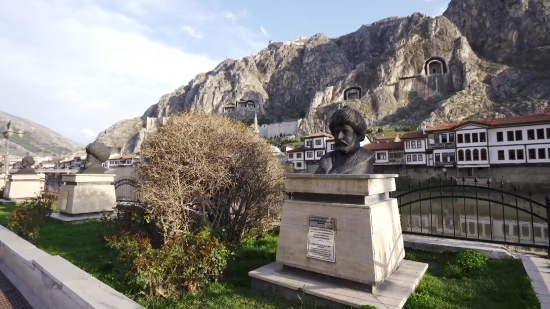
<point x="398" y="71"/>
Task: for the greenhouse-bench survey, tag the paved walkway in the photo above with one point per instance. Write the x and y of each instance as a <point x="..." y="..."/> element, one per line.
<point x="10" y="298"/>
<point x="538" y="270"/>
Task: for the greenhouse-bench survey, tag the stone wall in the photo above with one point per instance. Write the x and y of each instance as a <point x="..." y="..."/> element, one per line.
<point x="280" y="128"/>
<point x="536" y="178"/>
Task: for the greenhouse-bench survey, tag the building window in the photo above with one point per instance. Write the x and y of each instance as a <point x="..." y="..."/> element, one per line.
<point x="467" y="138"/>
<point x="445" y="156"/>
<point x="532" y="154"/>
<point x="291" y="156"/>
<point x="437" y="157"/>
<point x="414" y="157"/>
<point x="451" y="137"/>
<point x="540" y="133"/>
<point x="452" y="156"/>
<point x="475" y="138"/>
<point x="320" y="153"/>
<point x="318" y="142"/>
<point x="548" y="133"/>
<point x="310" y="154"/>
<point x="407" y="145"/>
<point x="482" y="137"/>
<point x="468" y="155"/>
<point x="483" y="154"/>
<point x="443" y="138"/>
<point x="510" y="136"/>
<point x="460" y="138"/>
<point x="500" y="137"/>
<point x="420" y="156"/>
<point x="308" y="143"/>
<point x="298" y="156"/>
<point x="413" y="145"/>
<point x="331" y="146"/>
<point x="530" y="134"/>
<point x="476" y="155"/>
<point x="408" y="158"/>
<point x="381" y="156"/>
<point x="501" y="155"/>
<point x="542" y="153"/>
<point x="418" y="144"/>
<point x="436" y="138"/>
<point x="519" y="154"/>
<point x="511" y="154"/>
<point x="519" y="135"/>
<point x="461" y="155"/>
<point x="299" y="164"/>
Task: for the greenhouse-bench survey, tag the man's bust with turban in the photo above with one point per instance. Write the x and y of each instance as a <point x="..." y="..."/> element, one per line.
<point x="96" y="154"/>
<point x="348" y="128"/>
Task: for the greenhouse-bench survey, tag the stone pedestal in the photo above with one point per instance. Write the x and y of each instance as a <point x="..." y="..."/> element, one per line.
<point x="340" y="243"/>
<point x="22" y="186"/>
<point x="85" y="196"/>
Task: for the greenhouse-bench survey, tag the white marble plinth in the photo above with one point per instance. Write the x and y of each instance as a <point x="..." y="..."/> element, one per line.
<point x="364" y="185"/>
<point x="23" y="186"/>
<point x="86" y="193"/>
<point x="368" y="240"/>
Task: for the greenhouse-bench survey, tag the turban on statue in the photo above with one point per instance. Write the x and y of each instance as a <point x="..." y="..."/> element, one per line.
<point x="349" y="116"/>
<point x="27" y="161"/>
<point x="98" y="151"/>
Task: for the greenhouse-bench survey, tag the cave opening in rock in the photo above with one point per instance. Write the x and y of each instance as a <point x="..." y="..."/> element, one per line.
<point x="352" y="93"/>
<point x="435" y="65"/>
<point x="250" y="104"/>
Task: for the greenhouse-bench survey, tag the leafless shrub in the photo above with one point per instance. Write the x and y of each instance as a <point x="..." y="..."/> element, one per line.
<point x="200" y="168"/>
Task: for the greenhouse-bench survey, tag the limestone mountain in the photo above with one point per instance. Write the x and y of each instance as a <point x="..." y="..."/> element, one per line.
<point x="37" y="140"/>
<point x="118" y="134"/>
<point x="481" y="56"/>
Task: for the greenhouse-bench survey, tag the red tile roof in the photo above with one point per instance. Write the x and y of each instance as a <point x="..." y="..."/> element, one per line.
<point x="411" y="135"/>
<point x="385" y="146"/>
<point x="519" y="119"/>
<point x="443" y="126"/>
<point x="496" y="122"/>
<point x="385" y="138"/>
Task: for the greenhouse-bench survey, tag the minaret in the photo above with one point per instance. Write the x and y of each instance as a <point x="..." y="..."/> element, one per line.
<point x="256" y="128"/>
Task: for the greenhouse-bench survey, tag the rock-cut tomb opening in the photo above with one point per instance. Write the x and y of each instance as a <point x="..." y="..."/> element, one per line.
<point x="352" y="93"/>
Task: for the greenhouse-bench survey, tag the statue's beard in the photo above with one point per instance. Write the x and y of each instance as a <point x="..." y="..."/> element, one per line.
<point x="344" y="147"/>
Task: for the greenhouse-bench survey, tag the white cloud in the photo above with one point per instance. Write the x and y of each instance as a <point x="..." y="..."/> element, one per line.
<point x="192" y="32"/>
<point x="230" y="16"/>
<point x="263" y="31"/>
<point x="69" y="64"/>
<point x="88" y="133"/>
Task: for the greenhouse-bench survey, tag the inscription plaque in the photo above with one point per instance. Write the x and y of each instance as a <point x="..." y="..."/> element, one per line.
<point x="322" y="222"/>
<point x="64" y="200"/>
<point x="320" y="244"/>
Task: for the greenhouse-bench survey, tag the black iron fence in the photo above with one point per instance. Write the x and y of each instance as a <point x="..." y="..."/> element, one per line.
<point x="487" y="212"/>
<point x="127" y="190"/>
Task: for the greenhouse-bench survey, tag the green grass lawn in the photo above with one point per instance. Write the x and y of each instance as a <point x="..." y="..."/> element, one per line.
<point x="505" y="285"/>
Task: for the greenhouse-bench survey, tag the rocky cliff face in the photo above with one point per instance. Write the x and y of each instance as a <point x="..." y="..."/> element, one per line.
<point x="398" y="71"/>
<point x="118" y="134"/>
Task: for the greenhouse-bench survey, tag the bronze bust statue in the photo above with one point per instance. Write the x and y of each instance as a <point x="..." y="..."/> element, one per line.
<point x="96" y="154"/>
<point x="348" y="128"/>
<point x="27" y="163"/>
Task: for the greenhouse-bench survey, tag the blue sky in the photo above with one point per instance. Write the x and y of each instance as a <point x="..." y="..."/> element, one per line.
<point x="78" y="66"/>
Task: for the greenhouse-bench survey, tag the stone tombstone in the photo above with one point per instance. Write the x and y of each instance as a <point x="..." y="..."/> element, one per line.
<point x="27" y="163"/>
<point x="96" y="154"/>
<point x="340" y="240"/>
<point x="348" y="128"/>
